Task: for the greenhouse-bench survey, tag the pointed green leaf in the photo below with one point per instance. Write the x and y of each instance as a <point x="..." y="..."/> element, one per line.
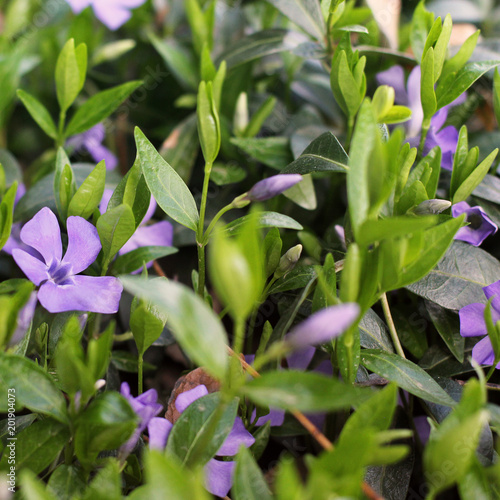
<point x="39" y="113"/>
<point x="89" y="194"/>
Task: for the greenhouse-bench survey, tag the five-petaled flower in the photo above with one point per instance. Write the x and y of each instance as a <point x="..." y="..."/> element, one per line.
<point x="480" y="225"/>
<point x="472" y="324"/>
<point x="112" y="13"/>
<point x="218" y="474"/>
<point x="61" y="287"/>
<point x="446" y="138"/>
<point x="146" y="407"/>
<point x="91" y="142"/>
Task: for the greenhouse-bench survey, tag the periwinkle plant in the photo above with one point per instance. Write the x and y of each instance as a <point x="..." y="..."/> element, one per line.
<point x="334" y="209"/>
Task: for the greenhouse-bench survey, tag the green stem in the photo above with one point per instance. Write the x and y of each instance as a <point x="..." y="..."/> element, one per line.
<point x="426" y="125"/>
<point x="350" y="128"/>
<point x="391" y="325"/>
<point x="211" y="226"/>
<point x="492" y="370"/>
<point x="199" y="234"/>
<point x="140" y="363"/>
<point x="62" y="121"/>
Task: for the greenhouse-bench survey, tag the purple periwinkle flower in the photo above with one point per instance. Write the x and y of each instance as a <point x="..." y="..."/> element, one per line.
<point x="91" y="142"/>
<point x="112" y="13"/>
<point x="472" y="324"/>
<point x="146" y="407"/>
<point x="158" y="234"/>
<point x="323" y="325"/>
<point x="480" y="225"/>
<point x="218" y="474"/>
<point x="272" y="186"/>
<point x="61" y="287"/>
<point x="446" y="138"/>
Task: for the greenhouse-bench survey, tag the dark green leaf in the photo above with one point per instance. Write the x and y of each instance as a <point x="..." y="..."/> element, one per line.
<point x="406" y="374"/>
<point x="374" y="333"/>
<point x="249" y="482"/>
<point x="66" y="482"/>
<point x="271" y="151"/>
<point x="296" y="278"/>
<point x="131" y="261"/>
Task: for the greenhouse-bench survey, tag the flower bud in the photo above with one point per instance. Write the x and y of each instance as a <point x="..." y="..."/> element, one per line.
<point x="288" y="261"/>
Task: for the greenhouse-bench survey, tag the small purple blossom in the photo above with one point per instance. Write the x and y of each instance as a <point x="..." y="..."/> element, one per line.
<point x="112" y="13"/>
<point x="218" y="474"/>
<point x="91" y="142"/>
<point x="472" y="324"/>
<point x="446" y="138"/>
<point x="480" y="225"/>
<point x="61" y="287"/>
<point x="272" y="186"/>
<point x="158" y="234"/>
<point x="323" y="325"/>
<point x="146" y="407"/>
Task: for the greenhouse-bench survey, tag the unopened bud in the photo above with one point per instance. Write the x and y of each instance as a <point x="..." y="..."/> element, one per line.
<point x="432" y="207"/>
<point x="240" y="201"/>
<point x="288" y="261"/>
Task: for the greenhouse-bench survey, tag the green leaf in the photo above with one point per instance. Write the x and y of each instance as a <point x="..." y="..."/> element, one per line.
<point x="421" y="24"/>
<point x="64" y="183"/>
<point x="305" y="13"/>
<point x="89" y="194"/>
<point x="66" y="482"/>
<point x="131" y="261"/>
<point x="303" y="193"/>
<point x="427" y="93"/>
<point x="115" y="227"/>
<point x="165" y="184"/>
<point x="106" y="485"/>
<point x="33" y="488"/>
<point x="373" y="332"/>
<point x="208" y="122"/>
<point x="406" y="374"/>
<point x="265" y="219"/>
<point x="37" y="446"/>
<point x="249" y="482"/>
<point x="259" y="117"/>
<point x="7" y="213"/>
<point x="303" y="391"/>
<point x="393" y="227"/>
<point x="98" y="107"/>
<point x="271" y="151"/>
<point x="296" y="278"/>
<point x="146" y="323"/>
<point x="68" y="77"/>
<point x="104" y="425"/>
<point x="202" y="419"/>
<point x="195" y="326"/>
<point x="447" y="324"/>
<point x="324" y="154"/>
<point x="359" y="163"/>
<point x="39" y="113"/>
<point x="34" y="388"/>
<point x="459" y="278"/>
<point x="496" y="94"/>
<point x="459" y="60"/>
<point x="258" y="45"/>
<point x="463" y="80"/>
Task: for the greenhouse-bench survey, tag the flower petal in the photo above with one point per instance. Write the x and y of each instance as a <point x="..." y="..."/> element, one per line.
<point x="472" y="320"/>
<point x="83" y="244"/>
<point x="160" y="234"/>
<point x="237" y="437"/>
<point x="483" y="353"/>
<point x="159" y="430"/>
<point x="300" y="358"/>
<point x="324" y="325"/>
<point x="184" y="399"/>
<point x="100" y="152"/>
<point x="33" y="268"/>
<point x="88" y="293"/>
<point x="490" y="291"/>
<point x="78" y="5"/>
<point x="219" y="477"/>
<point x="43" y="234"/>
<point x="272" y="186"/>
<point x="113" y="16"/>
<point x="275" y="416"/>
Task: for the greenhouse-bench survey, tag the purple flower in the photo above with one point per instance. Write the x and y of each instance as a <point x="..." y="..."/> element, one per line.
<point x="323" y="325"/>
<point x="112" y="13"/>
<point x="159" y="234"/>
<point x="61" y="288"/>
<point x="218" y="474"/>
<point x="91" y="142"/>
<point x="409" y="96"/>
<point x="472" y="324"/>
<point x="272" y="186"/>
<point x="146" y="407"/>
<point x="480" y="225"/>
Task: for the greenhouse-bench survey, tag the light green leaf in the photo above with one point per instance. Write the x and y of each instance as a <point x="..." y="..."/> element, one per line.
<point x="89" y="194"/>
<point x="39" y="113"/>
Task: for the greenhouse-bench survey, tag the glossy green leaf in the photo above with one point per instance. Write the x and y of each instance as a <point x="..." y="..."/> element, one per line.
<point x="165" y="184"/>
<point x="427" y="93"/>
<point x="99" y="106"/>
<point x="146" y="323"/>
<point x="305" y="13"/>
<point x="296" y="278"/>
<point x="131" y="261"/>
<point x="373" y="332"/>
<point x="303" y="391"/>
<point x="89" y="194"/>
<point x="7" y="213"/>
<point x="195" y="326"/>
<point x="265" y="219"/>
<point x="39" y="113"/>
<point x="459" y="278"/>
<point x="208" y="122"/>
<point x="68" y="78"/>
<point x="35" y="389"/>
<point x="201" y="429"/>
<point x="406" y="374"/>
